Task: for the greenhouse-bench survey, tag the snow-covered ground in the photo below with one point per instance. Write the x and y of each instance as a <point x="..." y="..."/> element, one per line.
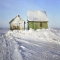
<point x="41" y="44"/>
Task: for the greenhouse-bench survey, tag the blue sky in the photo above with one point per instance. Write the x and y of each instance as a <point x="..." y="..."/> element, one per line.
<point x="11" y="8"/>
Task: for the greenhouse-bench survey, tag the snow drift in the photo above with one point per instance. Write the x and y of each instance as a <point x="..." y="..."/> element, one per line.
<point x="42" y="44"/>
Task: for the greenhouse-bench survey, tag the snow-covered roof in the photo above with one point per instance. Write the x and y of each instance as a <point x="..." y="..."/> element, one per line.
<point x="16" y="18"/>
<point x="37" y="15"/>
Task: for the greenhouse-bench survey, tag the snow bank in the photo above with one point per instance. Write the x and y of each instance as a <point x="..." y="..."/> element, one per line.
<point x="42" y="44"/>
<point x="28" y="34"/>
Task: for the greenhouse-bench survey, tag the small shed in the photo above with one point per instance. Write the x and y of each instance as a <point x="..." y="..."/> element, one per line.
<point x="17" y="23"/>
<point x="37" y="19"/>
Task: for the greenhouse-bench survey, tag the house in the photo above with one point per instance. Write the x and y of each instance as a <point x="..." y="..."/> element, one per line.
<point x="17" y="23"/>
<point x="37" y="19"/>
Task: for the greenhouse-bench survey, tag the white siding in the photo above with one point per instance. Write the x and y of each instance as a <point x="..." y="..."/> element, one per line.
<point x="18" y="22"/>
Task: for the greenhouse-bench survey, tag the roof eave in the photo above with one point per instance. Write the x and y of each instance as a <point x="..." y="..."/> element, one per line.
<point x="34" y="20"/>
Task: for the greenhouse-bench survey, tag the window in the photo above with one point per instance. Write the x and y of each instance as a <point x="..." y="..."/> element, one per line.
<point x="40" y="24"/>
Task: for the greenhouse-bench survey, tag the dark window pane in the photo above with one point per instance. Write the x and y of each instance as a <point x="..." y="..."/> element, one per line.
<point x="40" y="24"/>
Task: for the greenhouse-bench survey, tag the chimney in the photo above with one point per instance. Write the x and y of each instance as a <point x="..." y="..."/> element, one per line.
<point x="18" y="15"/>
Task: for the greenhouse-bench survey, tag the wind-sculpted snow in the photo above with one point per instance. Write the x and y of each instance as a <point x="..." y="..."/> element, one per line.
<point x="42" y="44"/>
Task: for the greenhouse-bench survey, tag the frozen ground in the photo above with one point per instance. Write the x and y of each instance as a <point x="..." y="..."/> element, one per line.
<point x="30" y="45"/>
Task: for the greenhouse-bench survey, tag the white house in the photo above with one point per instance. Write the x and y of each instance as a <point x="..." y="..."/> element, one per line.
<point x="17" y="23"/>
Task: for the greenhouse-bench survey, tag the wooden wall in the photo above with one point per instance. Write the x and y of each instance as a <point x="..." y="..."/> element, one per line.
<point x="37" y="25"/>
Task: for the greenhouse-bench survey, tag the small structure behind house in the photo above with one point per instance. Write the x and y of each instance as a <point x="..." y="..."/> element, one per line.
<point x="37" y="19"/>
<point x="17" y="23"/>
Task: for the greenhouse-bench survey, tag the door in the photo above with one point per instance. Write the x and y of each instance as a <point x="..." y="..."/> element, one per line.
<point x="40" y="24"/>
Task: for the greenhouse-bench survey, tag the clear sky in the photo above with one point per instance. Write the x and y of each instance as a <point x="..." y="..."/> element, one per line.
<point x="11" y="8"/>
